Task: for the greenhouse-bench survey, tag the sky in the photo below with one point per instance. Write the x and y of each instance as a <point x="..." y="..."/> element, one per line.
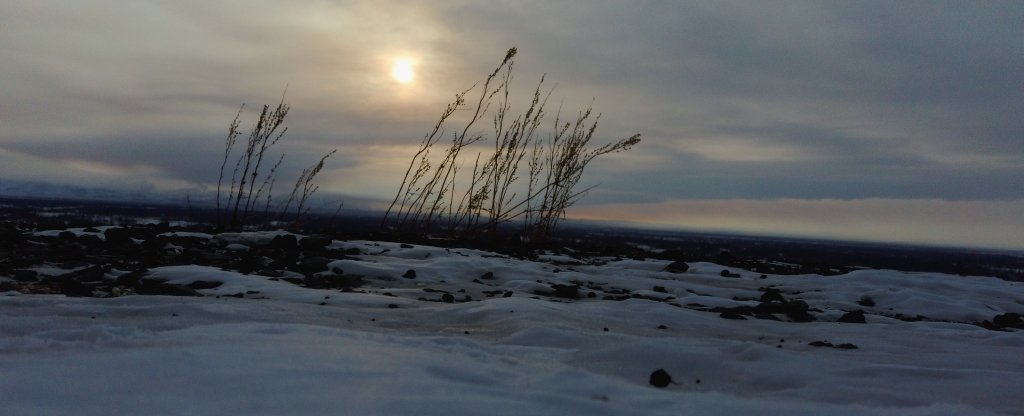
<point x="869" y="120"/>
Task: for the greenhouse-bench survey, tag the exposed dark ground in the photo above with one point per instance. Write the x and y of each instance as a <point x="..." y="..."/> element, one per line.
<point x="768" y="255"/>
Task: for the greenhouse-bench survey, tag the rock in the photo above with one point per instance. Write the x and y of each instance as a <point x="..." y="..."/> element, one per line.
<point x="403" y="245"/>
<point x="487" y="276"/>
<point x="677" y="267"/>
<point x="1008" y="320"/>
<point x="311" y="265"/>
<point x="315" y="242"/>
<point x="118" y="236"/>
<point x="66" y="235"/>
<point x="409" y="274"/>
<point x="854" y="317"/>
<point x="846" y="346"/>
<point x="732" y="315"/>
<point x="660" y="378"/>
<point x="25" y="275"/>
<point x="660" y="289"/>
<point x="74" y="288"/>
<point x="88" y="274"/>
<point x="772" y="295"/>
<point x="866" y="301"/>
<point x="131" y="278"/>
<point x="447" y="298"/>
<point x="204" y="284"/>
<point x="727" y="273"/>
<point x="89" y="240"/>
<point x="333" y="281"/>
<point x="284" y="242"/>
<point x="158" y="287"/>
<point x="796" y="311"/>
<point x="561" y="291"/>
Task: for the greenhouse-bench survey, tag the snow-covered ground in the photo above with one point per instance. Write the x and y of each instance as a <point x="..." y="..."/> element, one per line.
<point x="260" y="345"/>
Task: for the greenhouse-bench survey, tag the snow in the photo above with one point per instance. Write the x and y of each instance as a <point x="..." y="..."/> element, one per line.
<point x="285" y="349"/>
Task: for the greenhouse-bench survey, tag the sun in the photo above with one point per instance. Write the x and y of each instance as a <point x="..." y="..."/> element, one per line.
<point x="402" y="71"/>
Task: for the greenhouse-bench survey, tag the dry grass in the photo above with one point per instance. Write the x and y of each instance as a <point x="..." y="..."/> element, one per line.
<point x="495" y="192"/>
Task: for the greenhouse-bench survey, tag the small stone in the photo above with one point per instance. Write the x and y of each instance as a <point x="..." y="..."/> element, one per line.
<point x="660" y="379"/>
<point x="677" y="267"/>
<point x="392" y="306"/>
<point x="732" y="315"/>
<point x="727" y="273"/>
<point x="410" y="274"/>
<point x="854" y="317"/>
<point x="447" y="298"/>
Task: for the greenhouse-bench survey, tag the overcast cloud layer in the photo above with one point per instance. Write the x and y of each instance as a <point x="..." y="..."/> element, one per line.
<point x="790" y="103"/>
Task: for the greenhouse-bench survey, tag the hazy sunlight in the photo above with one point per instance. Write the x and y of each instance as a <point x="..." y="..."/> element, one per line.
<point x="402" y="71"/>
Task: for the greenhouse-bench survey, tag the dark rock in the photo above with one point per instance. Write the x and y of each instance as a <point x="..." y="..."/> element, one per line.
<point x="447" y="298"/>
<point x="727" y="273"/>
<point x="403" y="245"/>
<point x="662" y="327"/>
<point x="25" y="275"/>
<point x="846" y="346"/>
<point x="248" y="263"/>
<point x="854" y="317"/>
<point x="205" y="284"/>
<point x="767" y="316"/>
<point x="333" y="281"/>
<point x="89" y="240"/>
<point x="677" y="267"/>
<point x="311" y="265"/>
<point x="176" y="290"/>
<point x="314" y="242"/>
<point x="732" y="315"/>
<point x="409" y="274"/>
<point x="283" y="242"/>
<point x="866" y="301"/>
<point x="66" y="235"/>
<point x="118" y="236"/>
<point x="772" y="295"/>
<point x="796" y="311"/>
<point x="660" y="289"/>
<point x="353" y="252"/>
<point x="487" y="276"/>
<point x="149" y="286"/>
<point x="1008" y="320"/>
<point x="561" y="291"/>
<point x="88" y="274"/>
<point x="131" y="278"/>
<point x="74" y="288"/>
<point x="660" y="379"/>
<point x="392" y="306"/>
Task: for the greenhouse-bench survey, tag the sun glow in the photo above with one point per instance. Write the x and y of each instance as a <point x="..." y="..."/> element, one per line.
<point x="402" y="71"/>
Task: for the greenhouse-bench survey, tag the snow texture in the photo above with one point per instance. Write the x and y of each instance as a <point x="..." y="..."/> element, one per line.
<point x="393" y="347"/>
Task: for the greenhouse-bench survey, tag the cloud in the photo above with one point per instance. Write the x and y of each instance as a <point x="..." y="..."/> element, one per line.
<point x="789" y="99"/>
<point x="957" y="223"/>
